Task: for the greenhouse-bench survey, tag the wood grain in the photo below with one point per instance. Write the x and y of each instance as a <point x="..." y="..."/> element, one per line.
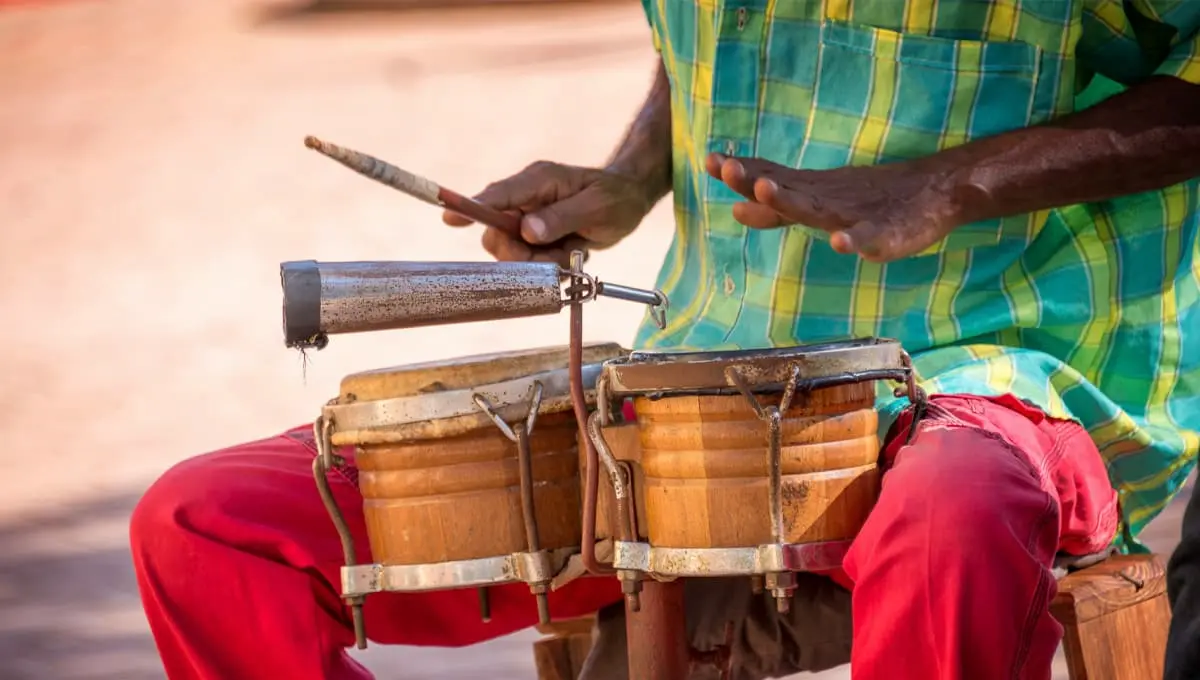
<point x="1116" y="616"/>
<point x="704" y="460"/>
<point x="459" y="498"/>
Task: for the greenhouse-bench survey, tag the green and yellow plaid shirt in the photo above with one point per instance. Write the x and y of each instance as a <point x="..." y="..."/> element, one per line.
<point x="1091" y="311"/>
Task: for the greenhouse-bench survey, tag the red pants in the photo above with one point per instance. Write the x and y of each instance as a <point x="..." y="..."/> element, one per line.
<point x="237" y="560"/>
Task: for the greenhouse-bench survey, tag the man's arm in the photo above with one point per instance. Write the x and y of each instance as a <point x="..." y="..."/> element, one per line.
<point x="1143" y="139"/>
<point x="566" y="207"/>
<point x="645" y="153"/>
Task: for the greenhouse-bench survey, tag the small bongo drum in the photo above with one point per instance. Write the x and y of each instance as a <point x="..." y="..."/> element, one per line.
<point x="757" y="462"/>
<point x="468" y="470"/>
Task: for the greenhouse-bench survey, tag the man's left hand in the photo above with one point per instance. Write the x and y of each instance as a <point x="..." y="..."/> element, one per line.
<point x="881" y="212"/>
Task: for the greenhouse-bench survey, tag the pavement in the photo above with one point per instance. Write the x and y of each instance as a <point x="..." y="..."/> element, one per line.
<point x="153" y="176"/>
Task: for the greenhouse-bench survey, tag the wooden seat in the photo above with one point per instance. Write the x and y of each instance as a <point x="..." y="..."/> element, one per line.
<point x="1115" y="615"/>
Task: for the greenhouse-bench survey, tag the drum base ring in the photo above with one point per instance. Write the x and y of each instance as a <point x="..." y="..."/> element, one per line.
<point x="525" y="567"/>
<point x="708" y="562"/>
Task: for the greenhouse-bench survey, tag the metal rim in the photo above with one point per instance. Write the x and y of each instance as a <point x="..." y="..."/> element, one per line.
<point x="765" y="370"/>
<point x="711" y="562"/>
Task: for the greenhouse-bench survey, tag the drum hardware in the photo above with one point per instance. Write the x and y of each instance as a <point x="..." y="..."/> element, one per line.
<point x="520" y="437"/>
<point x="323" y="462"/>
<point x="582" y="289"/>
<point x="321" y="299"/>
<point x="651" y="575"/>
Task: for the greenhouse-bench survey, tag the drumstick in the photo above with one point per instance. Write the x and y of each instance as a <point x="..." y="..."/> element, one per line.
<point x="418" y="187"/>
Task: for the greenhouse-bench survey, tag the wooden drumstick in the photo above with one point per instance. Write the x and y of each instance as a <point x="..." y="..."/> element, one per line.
<point x="418" y="187"/>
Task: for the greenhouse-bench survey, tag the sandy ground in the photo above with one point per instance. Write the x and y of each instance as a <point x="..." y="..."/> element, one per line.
<point x="152" y="177"/>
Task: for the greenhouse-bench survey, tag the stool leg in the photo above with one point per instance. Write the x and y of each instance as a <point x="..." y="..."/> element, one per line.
<point x="562" y="657"/>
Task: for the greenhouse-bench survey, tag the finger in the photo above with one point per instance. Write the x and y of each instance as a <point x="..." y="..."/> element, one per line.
<point x="456" y="220"/>
<point x="871" y="240"/>
<point x="560" y="253"/>
<point x="757" y="168"/>
<point x="539" y="184"/>
<point x="843" y="242"/>
<point x="713" y="163"/>
<point x="733" y="174"/>
<point x="504" y="247"/>
<point x="757" y="216"/>
<point x="563" y="218"/>
<point x="794" y="206"/>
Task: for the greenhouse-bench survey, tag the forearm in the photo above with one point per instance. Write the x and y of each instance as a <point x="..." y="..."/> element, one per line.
<point x="1143" y="139"/>
<point x="645" y="152"/>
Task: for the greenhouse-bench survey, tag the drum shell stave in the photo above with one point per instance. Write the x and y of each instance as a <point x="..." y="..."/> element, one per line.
<point x="459" y="498"/>
<point x="705" y="478"/>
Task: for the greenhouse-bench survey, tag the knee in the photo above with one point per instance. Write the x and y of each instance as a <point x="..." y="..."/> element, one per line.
<point x="965" y="489"/>
<point x="194" y="493"/>
<point x="156" y="519"/>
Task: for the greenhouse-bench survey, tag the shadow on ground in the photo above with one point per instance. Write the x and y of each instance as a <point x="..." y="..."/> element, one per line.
<point x="69" y="598"/>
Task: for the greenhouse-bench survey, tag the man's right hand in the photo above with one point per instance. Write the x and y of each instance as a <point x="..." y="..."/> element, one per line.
<point x="562" y="208"/>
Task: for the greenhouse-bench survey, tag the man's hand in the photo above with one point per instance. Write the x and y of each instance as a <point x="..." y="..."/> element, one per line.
<point x="562" y="208"/>
<point x="881" y="212"/>
<point x="1143" y="139"/>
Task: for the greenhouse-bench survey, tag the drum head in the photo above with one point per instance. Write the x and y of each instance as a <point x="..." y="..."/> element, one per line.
<point x="438" y="398"/>
<point x="465" y="372"/>
<point x="763" y="370"/>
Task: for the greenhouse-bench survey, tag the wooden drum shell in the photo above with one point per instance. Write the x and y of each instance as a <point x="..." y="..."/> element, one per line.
<point x="704" y="463"/>
<point x="459" y="498"/>
<point x="439" y="478"/>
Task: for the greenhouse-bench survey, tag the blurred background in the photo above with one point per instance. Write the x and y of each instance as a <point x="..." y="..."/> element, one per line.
<point x="153" y="177"/>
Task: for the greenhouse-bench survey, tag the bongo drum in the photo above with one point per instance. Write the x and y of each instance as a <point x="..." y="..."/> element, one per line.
<point x="468" y="469"/>
<point x="754" y="462"/>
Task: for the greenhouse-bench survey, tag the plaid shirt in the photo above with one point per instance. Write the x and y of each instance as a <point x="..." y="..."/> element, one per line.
<point x="1081" y="310"/>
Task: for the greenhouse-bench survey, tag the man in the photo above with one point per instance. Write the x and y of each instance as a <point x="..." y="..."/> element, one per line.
<point x="1038" y="262"/>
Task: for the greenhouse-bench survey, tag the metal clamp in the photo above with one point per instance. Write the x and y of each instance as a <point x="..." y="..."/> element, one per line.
<point x="916" y="396"/>
<point x="539" y="585"/>
<point x="323" y="462"/>
<point x="584" y="287"/>
<point x="620" y="477"/>
<point x="781" y="583"/>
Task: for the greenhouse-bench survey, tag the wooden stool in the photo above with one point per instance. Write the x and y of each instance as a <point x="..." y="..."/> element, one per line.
<point x="1115" y="615"/>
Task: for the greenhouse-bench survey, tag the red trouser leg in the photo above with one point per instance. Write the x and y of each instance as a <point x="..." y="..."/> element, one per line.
<point x="237" y="562"/>
<point x="951" y="573"/>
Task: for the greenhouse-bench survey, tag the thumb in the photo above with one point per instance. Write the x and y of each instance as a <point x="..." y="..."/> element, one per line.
<point x="561" y="218"/>
<point x="868" y="239"/>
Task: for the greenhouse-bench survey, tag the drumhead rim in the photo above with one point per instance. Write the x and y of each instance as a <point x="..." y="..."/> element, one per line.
<point x="767" y="370"/>
<point x="670" y="357"/>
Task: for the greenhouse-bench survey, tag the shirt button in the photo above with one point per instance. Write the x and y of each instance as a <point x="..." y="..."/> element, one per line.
<point x="730" y="148"/>
<point x="741" y="18"/>
<point x="729" y="285"/>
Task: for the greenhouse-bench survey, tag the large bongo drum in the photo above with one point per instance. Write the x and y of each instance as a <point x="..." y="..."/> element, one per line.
<point x="468" y="469"/>
<point x="757" y="462"/>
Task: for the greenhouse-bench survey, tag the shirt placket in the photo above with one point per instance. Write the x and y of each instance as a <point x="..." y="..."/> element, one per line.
<point x="736" y="84"/>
